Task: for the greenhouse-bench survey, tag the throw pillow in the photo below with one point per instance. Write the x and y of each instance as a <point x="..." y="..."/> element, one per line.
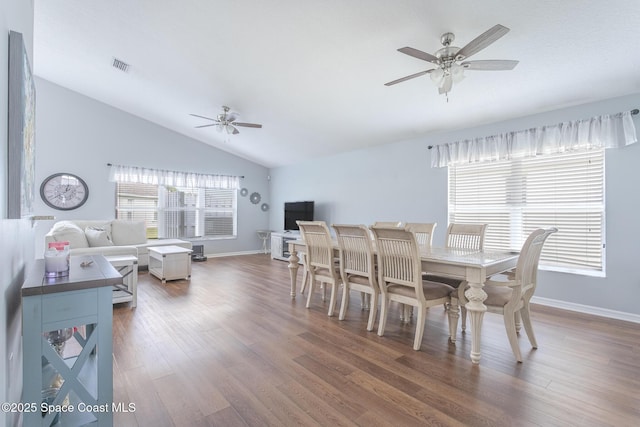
<point x="97" y="237"/>
<point x="104" y="226"/>
<point x="128" y="232"/>
<point x="68" y="232"/>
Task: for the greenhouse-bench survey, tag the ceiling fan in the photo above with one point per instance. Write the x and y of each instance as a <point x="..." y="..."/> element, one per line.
<point x="448" y="59"/>
<point x="225" y="122"/>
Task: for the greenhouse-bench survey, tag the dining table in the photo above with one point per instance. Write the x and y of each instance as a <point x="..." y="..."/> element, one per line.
<point x="474" y="266"/>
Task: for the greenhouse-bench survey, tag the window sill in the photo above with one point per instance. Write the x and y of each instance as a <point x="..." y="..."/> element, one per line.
<point x="580" y="272"/>
<point x="201" y="239"/>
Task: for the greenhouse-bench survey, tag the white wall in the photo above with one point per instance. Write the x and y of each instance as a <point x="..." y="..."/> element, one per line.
<point x="16" y="236"/>
<point x="396" y="182"/>
<point x="80" y="135"/>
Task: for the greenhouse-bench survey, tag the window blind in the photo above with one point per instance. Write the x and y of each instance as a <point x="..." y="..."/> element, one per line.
<point x="179" y="212"/>
<point x="517" y="196"/>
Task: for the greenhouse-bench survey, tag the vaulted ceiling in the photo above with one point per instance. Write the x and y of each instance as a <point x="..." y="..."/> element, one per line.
<point x="313" y="72"/>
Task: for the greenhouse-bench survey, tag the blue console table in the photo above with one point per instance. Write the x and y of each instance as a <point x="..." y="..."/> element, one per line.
<point x="83" y="381"/>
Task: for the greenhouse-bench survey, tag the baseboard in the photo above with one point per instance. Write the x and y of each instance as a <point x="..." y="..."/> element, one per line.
<point x="259" y="251"/>
<point x="587" y="309"/>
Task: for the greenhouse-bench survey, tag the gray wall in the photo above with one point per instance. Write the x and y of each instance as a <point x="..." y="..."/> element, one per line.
<point x="16" y="236"/>
<point x="396" y="182"/>
<point x="80" y="135"/>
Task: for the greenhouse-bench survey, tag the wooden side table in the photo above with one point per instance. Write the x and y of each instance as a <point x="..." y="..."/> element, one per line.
<point x="170" y="262"/>
<point x="264" y="235"/>
<point x="77" y="307"/>
<point x="127" y="265"/>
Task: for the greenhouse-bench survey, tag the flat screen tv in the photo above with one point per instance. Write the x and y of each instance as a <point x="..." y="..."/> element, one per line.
<point x="297" y="211"/>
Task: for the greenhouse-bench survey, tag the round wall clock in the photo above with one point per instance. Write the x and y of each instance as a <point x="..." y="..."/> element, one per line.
<point x="64" y="191"/>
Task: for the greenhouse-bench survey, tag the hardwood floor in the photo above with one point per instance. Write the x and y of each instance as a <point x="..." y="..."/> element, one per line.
<point x="230" y="348"/>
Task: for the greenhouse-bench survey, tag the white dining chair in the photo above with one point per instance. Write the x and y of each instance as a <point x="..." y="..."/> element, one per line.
<point x="319" y="260"/>
<point x="357" y="268"/>
<point x="387" y="224"/>
<point x="461" y="236"/>
<point x="423" y="232"/>
<point x="509" y="294"/>
<point x="424" y="236"/>
<point x="466" y="236"/>
<point x="400" y="280"/>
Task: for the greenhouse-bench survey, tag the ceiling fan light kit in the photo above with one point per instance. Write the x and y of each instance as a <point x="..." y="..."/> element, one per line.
<point x="448" y="59"/>
<point x="226" y="122"/>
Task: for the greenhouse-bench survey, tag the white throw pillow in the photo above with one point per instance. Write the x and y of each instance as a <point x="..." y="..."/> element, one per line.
<point x="105" y="226"/>
<point x="68" y="232"/>
<point x="126" y="233"/>
<point x="97" y="237"/>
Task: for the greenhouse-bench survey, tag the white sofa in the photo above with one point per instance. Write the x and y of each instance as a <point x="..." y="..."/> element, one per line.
<point x="108" y="237"/>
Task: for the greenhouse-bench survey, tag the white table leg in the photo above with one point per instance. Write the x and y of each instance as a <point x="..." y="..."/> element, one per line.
<point x="293" y="270"/>
<point x="476" y="309"/>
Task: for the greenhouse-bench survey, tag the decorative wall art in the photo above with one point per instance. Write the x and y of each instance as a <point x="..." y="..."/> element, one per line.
<point x="255" y="198"/>
<point x="21" y="131"/>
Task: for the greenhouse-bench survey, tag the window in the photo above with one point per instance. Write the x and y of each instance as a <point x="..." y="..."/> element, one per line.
<point x="517" y="196"/>
<point x="179" y="212"/>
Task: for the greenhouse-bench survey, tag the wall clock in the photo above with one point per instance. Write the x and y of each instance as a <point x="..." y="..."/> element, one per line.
<point x="64" y="191"/>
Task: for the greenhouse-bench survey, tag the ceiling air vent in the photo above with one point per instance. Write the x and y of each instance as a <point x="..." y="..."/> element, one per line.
<point x="120" y="65"/>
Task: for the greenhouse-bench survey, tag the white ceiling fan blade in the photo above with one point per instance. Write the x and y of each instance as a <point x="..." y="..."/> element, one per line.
<point x="247" y="125"/>
<point x="412" y="76"/>
<point x="490" y="65"/>
<point x="483" y="40"/>
<point x="203" y="117"/>
<point x="231" y="116"/>
<point x="206" y="126"/>
<point x="419" y="54"/>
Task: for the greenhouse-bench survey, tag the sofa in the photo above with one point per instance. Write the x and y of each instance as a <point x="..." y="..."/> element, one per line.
<point x="108" y="238"/>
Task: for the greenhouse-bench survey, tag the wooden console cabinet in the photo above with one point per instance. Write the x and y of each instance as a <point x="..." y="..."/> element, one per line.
<point x="79" y="384"/>
<point x="279" y="244"/>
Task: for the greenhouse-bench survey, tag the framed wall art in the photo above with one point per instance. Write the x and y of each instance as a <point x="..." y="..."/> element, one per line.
<point x="21" y="131"/>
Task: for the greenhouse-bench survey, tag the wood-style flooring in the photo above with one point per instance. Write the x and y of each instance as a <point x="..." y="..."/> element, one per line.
<point x="231" y="348"/>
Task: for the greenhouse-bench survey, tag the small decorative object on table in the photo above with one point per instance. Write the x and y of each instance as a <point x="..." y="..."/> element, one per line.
<point x="56" y="260"/>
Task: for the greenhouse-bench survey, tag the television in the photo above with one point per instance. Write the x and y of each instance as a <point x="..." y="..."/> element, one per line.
<point x="297" y="211"/>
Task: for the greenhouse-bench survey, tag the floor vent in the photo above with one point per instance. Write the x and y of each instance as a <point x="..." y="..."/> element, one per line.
<point x="120" y="65"/>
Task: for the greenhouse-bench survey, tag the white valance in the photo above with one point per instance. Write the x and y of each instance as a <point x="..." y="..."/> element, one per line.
<point x="134" y="174"/>
<point x="606" y="131"/>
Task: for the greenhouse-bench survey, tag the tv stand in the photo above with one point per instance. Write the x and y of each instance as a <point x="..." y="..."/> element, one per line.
<point x="279" y="246"/>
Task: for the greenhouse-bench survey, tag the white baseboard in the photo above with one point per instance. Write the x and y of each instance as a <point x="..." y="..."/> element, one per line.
<point x="587" y="309"/>
<point x="234" y="253"/>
